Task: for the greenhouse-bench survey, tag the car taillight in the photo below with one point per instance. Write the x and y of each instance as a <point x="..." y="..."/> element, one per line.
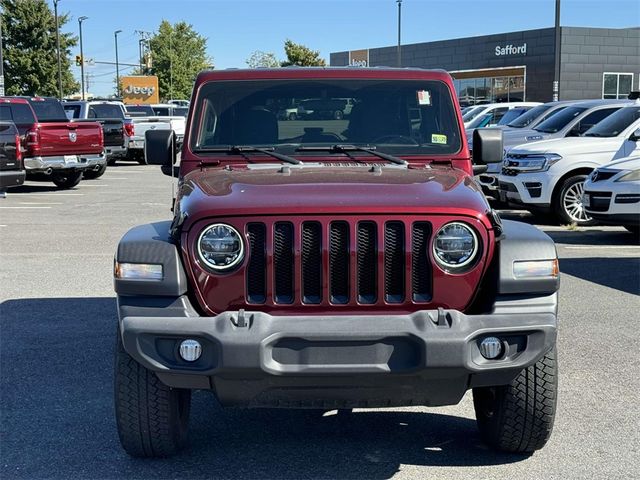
<point x="101" y="136"/>
<point x="33" y="142"/>
<point x="129" y="129"/>
<point x="18" y="151"/>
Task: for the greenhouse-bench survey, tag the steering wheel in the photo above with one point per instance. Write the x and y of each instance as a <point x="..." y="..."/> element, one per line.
<point x="398" y="139"/>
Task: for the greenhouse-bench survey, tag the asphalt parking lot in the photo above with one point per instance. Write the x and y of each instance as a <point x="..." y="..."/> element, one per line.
<point x="57" y="326"/>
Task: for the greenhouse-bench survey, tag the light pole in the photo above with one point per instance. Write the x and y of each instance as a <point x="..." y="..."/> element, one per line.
<point x="80" y="20"/>
<point x="115" y="34"/>
<point x="399" y="31"/>
<point x="556" y="76"/>
<point x="55" y="11"/>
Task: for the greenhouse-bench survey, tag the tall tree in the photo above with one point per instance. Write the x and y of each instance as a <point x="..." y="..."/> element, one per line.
<point x="262" y="59"/>
<point x="30" y="55"/>
<point x="178" y="54"/>
<point x="298" y="54"/>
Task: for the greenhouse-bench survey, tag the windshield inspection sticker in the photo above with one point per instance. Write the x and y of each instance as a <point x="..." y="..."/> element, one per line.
<point x="424" y="97"/>
<point x="438" y="138"/>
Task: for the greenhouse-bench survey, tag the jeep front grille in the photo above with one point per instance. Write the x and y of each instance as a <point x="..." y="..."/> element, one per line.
<point x="338" y="262"/>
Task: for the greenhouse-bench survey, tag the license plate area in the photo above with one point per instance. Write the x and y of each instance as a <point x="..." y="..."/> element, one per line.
<point x="70" y="159"/>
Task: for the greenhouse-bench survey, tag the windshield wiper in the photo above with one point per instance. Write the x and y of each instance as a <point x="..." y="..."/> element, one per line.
<point x="242" y="149"/>
<point x="371" y="150"/>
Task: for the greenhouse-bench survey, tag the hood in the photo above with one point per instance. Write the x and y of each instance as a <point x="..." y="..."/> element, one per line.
<point x="628" y="163"/>
<point x="518" y="136"/>
<point x="301" y="190"/>
<point x="570" y="146"/>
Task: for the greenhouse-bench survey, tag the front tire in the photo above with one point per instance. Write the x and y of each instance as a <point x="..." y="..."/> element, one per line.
<point x="519" y="417"/>
<point x="66" y="180"/>
<point x="152" y="419"/>
<point x="567" y="204"/>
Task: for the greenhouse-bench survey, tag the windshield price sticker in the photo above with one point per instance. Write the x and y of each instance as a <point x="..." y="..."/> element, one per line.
<point x="439" y="138"/>
<point x="424" y="97"/>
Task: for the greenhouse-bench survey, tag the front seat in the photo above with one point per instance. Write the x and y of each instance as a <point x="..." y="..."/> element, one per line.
<point x="256" y="126"/>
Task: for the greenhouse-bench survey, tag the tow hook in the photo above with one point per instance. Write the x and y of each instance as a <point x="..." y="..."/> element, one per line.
<point x="241" y="321"/>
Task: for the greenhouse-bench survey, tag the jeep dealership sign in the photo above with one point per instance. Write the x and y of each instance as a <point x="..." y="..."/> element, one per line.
<point x="140" y="89"/>
<point x="359" y="58"/>
<point x="511" y="50"/>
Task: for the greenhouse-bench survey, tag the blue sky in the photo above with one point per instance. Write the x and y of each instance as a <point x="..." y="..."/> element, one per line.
<point x="236" y="28"/>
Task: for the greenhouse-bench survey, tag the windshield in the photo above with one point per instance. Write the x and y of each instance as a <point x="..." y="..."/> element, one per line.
<point x="473" y="113"/>
<point x="557" y="122"/>
<point x="105" y="110"/>
<point x="146" y="109"/>
<point x="181" y="111"/>
<point x="512" y="115"/>
<point x="401" y="115"/>
<point x="49" y="111"/>
<point x="615" y="123"/>
<point x="161" y="111"/>
<point x="528" y="118"/>
<point x="480" y="121"/>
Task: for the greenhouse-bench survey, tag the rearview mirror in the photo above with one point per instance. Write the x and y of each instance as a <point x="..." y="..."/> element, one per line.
<point x="160" y="147"/>
<point x="487" y="146"/>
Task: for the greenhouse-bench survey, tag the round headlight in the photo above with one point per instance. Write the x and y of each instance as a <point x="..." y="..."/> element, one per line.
<point x="220" y="246"/>
<point x="455" y="246"/>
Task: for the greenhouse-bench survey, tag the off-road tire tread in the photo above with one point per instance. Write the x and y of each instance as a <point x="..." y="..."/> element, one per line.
<point x="524" y="410"/>
<point x="144" y="407"/>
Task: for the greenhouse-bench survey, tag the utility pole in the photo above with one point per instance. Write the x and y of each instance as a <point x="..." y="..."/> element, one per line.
<point x="1" y="62"/>
<point x="115" y="34"/>
<point x="399" y="31"/>
<point x="55" y="10"/>
<point x="143" y="45"/>
<point x="80" y="20"/>
<point x="556" y="76"/>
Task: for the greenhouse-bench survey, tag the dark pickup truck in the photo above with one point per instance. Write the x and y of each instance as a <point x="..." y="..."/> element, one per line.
<point x="111" y="116"/>
<point x="11" y="167"/>
<point x="54" y="147"/>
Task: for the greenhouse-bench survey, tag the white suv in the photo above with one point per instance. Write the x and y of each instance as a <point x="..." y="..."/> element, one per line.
<point x="612" y="193"/>
<point x="550" y="174"/>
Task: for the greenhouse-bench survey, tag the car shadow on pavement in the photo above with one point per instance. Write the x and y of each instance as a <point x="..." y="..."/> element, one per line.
<point x="57" y="416"/>
<point x="39" y="186"/>
<point x="619" y="273"/>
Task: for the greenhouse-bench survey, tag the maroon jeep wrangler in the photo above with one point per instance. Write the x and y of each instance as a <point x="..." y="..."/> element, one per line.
<point x="332" y="262"/>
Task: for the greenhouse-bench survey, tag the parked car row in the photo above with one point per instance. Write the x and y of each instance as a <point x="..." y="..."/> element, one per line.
<point x="550" y="152"/>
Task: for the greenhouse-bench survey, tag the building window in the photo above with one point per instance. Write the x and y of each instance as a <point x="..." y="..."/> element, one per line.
<point x="478" y="91"/>
<point x="616" y="85"/>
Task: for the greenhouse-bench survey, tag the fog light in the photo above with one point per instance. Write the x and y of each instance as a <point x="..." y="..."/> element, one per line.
<point x="190" y="350"/>
<point x="491" y="348"/>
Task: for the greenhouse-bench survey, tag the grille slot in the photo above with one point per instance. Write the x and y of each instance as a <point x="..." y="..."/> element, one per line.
<point x="339" y="262"/>
<point x="367" y="262"/>
<point x="394" y="265"/>
<point x="311" y="255"/>
<point x="321" y="261"/>
<point x="283" y="262"/>
<point x="420" y="265"/>
<point x="257" y="265"/>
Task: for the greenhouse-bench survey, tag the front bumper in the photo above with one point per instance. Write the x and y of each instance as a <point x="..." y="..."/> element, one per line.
<point x="61" y="162"/>
<point x="534" y="189"/>
<point x="612" y="203"/>
<point x="430" y="357"/>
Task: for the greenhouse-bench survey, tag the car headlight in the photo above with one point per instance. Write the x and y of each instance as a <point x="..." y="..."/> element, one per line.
<point x="633" y="175"/>
<point x="455" y="246"/>
<point x="220" y="247"/>
<point x="533" y="163"/>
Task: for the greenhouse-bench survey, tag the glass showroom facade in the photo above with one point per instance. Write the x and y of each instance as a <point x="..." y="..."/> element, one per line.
<point x="519" y="66"/>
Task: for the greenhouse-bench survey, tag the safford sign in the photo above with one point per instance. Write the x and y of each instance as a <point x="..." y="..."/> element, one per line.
<point x="140" y="89"/>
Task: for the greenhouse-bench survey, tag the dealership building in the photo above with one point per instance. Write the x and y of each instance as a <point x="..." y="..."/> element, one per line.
<point x="594" y="63"/>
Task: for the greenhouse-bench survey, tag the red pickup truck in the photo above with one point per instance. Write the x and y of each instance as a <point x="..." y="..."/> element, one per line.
<point x="53" y="146"/>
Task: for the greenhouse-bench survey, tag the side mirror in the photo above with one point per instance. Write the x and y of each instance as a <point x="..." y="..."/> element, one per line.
<point x="635" y="136"/>
<point x="487" y="146"/>
<point x="160" y="147"/>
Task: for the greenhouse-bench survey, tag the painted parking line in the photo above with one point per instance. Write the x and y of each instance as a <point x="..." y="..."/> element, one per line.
<point x="94" y="185"/>
<point x="49" y="194"/>
<point x="7" y="208"/>
<point x="41" y="203"/>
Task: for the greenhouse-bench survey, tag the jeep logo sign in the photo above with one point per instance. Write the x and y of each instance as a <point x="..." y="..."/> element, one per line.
<point x="148" y="91"/>
<point x="359" y="58"/>
<point x="511" y="50"/>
